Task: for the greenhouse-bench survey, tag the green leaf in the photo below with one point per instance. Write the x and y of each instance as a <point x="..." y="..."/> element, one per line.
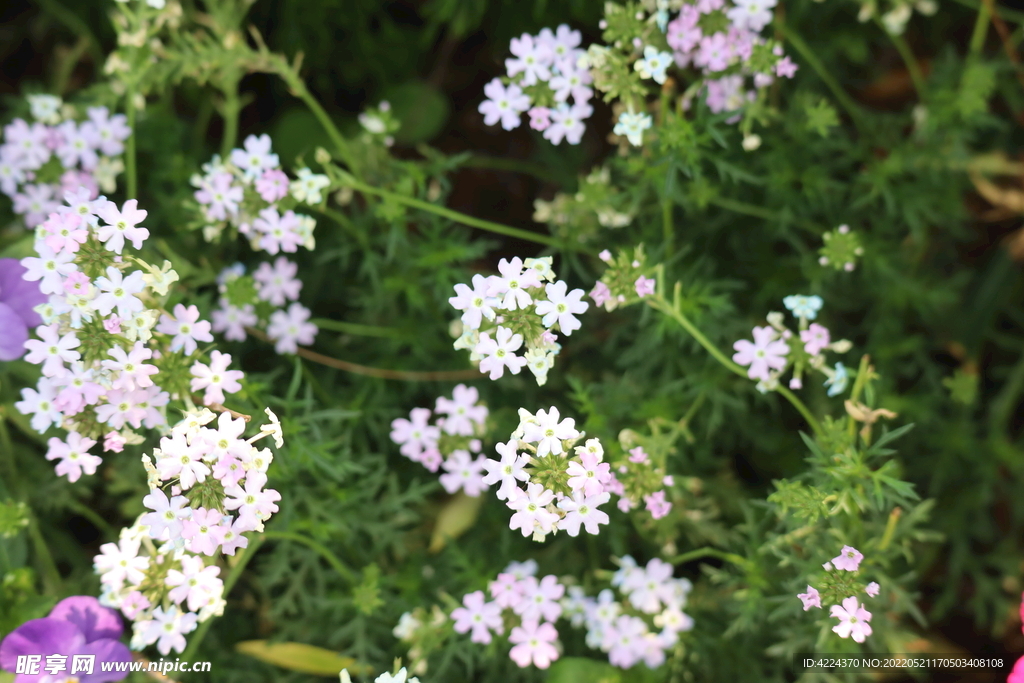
<point x="579" y="669"/>
<point x="422" y="109"/>
<point x="455" y="518"/>
<point x="300" y="657"/>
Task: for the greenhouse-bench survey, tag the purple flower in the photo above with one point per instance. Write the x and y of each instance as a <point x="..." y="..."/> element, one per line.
<point x="17" y="299"/>
<point x="78" y="625"/>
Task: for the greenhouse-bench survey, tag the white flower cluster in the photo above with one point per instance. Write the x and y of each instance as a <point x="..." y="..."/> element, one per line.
<point x="250" y="192"/>
<point x="564" y="486"/>
<point x="104" y="333"/>
<point x="157" y="574"/>
<point x="41" y="162"/>
<point x="450" y="442"/>
<point x="518" y="307"/>
<point x="260" y="299"/>
<point x="543" y="74"/>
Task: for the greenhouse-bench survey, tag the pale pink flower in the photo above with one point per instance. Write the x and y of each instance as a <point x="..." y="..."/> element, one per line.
<point x="533" y="643"/>
<point x="853" y="620"/>
<point x="849" y="559"/>
<point x="763" y="354"/>
<point x="811" y="598"/>
<point x="480" y="616"/>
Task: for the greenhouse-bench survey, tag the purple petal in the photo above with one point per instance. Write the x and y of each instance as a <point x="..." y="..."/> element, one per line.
<point x="93" y="619"/>
<point x="39" y="637"/>
<point x="21" y="295"/>
<point x="106" y="650"/>
<point x="13" y="334"/>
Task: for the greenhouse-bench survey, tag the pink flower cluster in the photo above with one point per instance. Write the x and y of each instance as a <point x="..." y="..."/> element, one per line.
<point x="520" y="308"/>
<point x="216" y="480"/>
<point x="854" y="619"/>
<point x="41" y="162"/>
<point x="102" y="336"/>
<point x="776" y="348"/>
<point x="448" y="444"/>
<point x="560" y="491"/>
<point x="724" y="56"/>
<point x="252" y="194"/>
<point x="552" y="59"/>
<point x="275" y="286"/>
<point x="639" y="627"/>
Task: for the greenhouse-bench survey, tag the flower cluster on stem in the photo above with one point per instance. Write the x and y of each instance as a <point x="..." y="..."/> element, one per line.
<point x="207" y="490"/>
<point x="841" y="585"/>
<point x="776" y="349"/>
<point x="451" y="442"/>
<point x="59" y="152"/>
<point x="523" y="306"/>
<point x="546" y="81"/>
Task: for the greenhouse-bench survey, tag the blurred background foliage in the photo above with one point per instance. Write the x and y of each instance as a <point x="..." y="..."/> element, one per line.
<point x="937" y="303"/>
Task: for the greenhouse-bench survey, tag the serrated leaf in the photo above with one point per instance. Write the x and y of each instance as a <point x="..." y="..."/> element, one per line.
<point x="299" y="657"/>
<point x="455" y="518"/>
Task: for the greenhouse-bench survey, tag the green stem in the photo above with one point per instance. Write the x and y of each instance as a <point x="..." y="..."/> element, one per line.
<point x="761" y="212"/>
<point x="667" y="229"/>
<point x="331" y="558"/>
<point x="346" y="224"/>
<point x="299" y="89"/>
<point x="858" y="386"/>
<point x="658" y="302"/>
<point x="357" y="328"/>
<point x="980" y="29"/>
<point x="514" y="165"/>
<point x="458" y="217"/>
<point x="231" y="108"/>
<point x="48" y="568"/>
<point x="236" y="572"/>
<point x="129" y="164"/>
<point x="1009" y="14"/>
<point x="908" y="58"/>
<point x="851" y="107"/>
<point x="708" y="552"/>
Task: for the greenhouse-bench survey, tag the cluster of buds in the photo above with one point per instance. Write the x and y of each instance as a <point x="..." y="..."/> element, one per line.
<point x="60" y="152"/>
<point x="581" y="215"/>
<point x="517" y="308"/>
<point x="841" y="250"/>
<point x="777" y="349"/>
<point x="542" y="77"/>
<point x="625" y="281"/>
<point x="380" y="123"/>
<point x="251" y="194"/>
<point x="451" y="442"/>
<point x="164" y="572"/>
<point x="841" y="584"/>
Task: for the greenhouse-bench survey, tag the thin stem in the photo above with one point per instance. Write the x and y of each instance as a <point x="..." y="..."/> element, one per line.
<point x="709" y="552"/>
<point x="916" y="76"/>
<point x="667" y="229"/>
<point x="1010" y="14"/>
<point x="514" y="165"/>
<point x="130" y="161"/>
<point x="980" y="29"/>
<point x="851" y="107"/>
<point x="357" y="328"/>
<point x="355" y="368"/>
<point x="230" y="111"/>
<point x="331" y="558"/>
<point x="49" y="571"/>
<point x="890" y="527"/>
<point x="858" y="386"/>
<point x="77" y="26"/>
<point x="658" y="302"/>
<point x="761" y="212"/>
<point x="246" y="554"/>
<point x="346" y="224"/>
<point x="458" y="217"/>
<point x="298" y="87"/>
